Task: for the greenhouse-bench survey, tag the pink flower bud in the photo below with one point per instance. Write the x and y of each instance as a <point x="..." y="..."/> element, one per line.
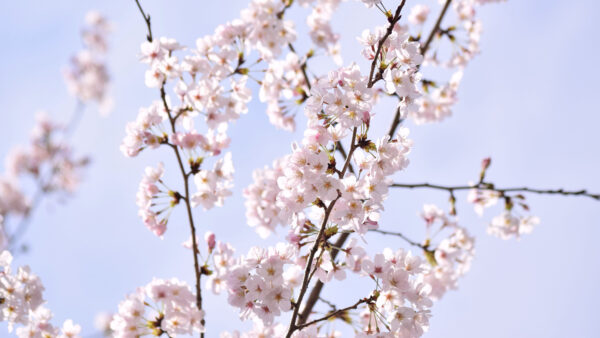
<point x="209" y="237"/>
<point x="366" y="118"/>
<point x="485" y="163"/>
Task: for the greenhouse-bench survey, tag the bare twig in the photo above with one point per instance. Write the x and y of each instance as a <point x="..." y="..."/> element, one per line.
<point x="147" y="19"/>
<point x="502" y="191"/>
<point x="338" y="312"/>
<point x="398" y="234"/>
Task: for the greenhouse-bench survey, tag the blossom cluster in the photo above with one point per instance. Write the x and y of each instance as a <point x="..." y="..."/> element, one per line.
<point x="22" y="303"/>
<point x="402" y="297"/>
<point x="47" y="160"/>
<point x="258" y="286"/>
<point x="321" y="32"/>
<point x="510" y="223"/>
<point x="437" y="97"/>
<point x="309" y="175"/>
<point x="173" y="311"/>
<point x="87" y="76"/>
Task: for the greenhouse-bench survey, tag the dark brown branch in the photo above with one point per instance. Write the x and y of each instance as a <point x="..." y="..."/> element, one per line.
<point x="313" y="297"/>
<point x="306" y="280"/>
<point x="349" y="156"/>
<point x="147" y="19"/>
<point x="502" y="191"/>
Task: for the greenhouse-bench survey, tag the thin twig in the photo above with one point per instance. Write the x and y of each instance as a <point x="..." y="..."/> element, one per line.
<point x="147" y="19"/>
<point x="502" y="191"/>
<point x="408" y="240"/>
<point x="306" y="280"/>
<point x="349" y="156"/>
<point x="338" y="312"/>
<point x="392" y="20"/>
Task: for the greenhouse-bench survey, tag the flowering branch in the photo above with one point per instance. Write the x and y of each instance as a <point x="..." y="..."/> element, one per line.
<point x="392" y="20"/>
<point x="316" y="291"/>
<point x="435" y="28"/>
<point x="307" y="274"/>
<point x="501" y="191"/>
<point x="424" y="49"/>
<point x="185" y="176"/>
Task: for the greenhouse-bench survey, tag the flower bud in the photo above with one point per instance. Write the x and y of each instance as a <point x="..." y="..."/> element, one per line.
<point x="209" y="237"/>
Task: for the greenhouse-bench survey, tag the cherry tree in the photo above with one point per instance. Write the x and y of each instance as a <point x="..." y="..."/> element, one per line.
<point x="323" y="200"/>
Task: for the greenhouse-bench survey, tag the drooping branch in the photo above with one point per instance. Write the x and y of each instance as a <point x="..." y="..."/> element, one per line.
<point x="501" y="191"/>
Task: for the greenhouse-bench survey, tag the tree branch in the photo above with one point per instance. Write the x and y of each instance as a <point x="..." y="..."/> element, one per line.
<point x="185" y="177"/>
<point x="435" y="28"/>
<point x="306" y="280"/>
<point x="424" y="49"/>
<point x="147" y="19"/>
<point x="408" y="240"/>
<point x="502" y="191"/>
<point x="338" y="312"/>
<point x="392" y="20"/>
<point x="316" y="291"/>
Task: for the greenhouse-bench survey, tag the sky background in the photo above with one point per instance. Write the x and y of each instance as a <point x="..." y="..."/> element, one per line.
<point x="529" y="101"/>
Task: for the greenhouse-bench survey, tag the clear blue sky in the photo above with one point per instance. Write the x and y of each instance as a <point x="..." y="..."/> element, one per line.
<point x="529" y="101"/>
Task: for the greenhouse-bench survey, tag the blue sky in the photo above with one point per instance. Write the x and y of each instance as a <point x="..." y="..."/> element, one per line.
<point x="528" y="101"/>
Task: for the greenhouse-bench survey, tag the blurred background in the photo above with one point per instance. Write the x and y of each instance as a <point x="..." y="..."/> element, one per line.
<point x="528" y="101"/>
